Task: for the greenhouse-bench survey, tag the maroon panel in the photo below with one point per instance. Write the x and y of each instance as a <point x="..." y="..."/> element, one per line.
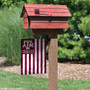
<point x="34" y="48"/>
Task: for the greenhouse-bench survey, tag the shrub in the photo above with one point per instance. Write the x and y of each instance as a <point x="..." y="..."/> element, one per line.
<point x="85" y="28"/>
<point x="70" y="47"/>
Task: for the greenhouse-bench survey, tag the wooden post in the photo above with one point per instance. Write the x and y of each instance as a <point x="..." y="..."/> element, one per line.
<point x="53" y="81"/>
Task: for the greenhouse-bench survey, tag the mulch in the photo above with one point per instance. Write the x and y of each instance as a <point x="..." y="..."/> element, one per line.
<point x="65" y="70"/>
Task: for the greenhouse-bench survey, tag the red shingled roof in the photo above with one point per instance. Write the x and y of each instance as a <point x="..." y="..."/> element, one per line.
<point x="46" y="10"/>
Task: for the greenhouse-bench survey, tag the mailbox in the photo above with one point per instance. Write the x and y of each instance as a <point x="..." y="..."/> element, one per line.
<point x="45" y="19"/>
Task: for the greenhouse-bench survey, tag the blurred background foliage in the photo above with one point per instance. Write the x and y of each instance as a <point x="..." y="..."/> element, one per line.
<point x="74" y="44"/>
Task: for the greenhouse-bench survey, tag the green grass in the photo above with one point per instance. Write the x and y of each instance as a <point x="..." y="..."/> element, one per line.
<point x="11" y="80"/>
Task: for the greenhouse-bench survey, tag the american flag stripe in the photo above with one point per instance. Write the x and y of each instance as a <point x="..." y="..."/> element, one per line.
<point x="23" y="64"/>
<point x="27" y="64"/>
<point x="35" y="56"/>
<point x="39" y="56"/>
<point x="34" y="63"/>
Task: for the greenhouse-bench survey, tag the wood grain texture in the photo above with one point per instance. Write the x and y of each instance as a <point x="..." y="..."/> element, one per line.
<point x="48" y="24"/>
<point x="49" y="16"/>
<point x="57" y="14"/>
<point x="25" y="20"/>
<point x="25" y="25"/>
<point x="46" y="10"/>
<point x="53" y="81"/>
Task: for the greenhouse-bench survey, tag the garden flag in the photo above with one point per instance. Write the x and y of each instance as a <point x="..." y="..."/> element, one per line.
<point x="33" y="56"/>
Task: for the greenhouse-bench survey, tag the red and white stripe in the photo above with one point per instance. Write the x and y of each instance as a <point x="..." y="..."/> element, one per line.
<point x="34" y="63"/>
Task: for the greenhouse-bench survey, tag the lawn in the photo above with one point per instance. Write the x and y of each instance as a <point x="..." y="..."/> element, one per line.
<point x="12" y="80"/>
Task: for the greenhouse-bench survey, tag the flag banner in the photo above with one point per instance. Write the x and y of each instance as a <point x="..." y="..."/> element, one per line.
<point x="33" y="56"/>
